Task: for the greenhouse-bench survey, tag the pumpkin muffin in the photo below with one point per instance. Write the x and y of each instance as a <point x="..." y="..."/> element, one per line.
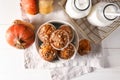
<point x="84" y="47"/>
<point x="47" y="52"/>
<point x="45" y="31"/>
<point x="69" y="30"/>
<point x="67" y="52"/>
<point x="59" y="39"/>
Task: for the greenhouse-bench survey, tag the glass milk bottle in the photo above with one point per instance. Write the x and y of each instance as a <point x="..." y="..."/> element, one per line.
<point x="78" y="8"/>
<point x="99" y="14"/>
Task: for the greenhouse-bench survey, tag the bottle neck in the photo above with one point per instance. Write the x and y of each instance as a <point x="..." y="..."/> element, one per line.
<point x="110" y="8"/>
<point x="82" y="5"/>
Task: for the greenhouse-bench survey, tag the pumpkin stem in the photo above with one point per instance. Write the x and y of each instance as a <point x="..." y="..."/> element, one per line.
<point x="20" y="44"/>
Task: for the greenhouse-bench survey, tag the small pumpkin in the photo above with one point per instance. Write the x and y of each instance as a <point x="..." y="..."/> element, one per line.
<point x="29" y="6"/>
<point x="20" y="36"/>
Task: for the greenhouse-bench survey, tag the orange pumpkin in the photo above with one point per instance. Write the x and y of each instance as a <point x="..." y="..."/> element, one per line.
<point x="30" y="6"/>
<point x="20" y="36"/>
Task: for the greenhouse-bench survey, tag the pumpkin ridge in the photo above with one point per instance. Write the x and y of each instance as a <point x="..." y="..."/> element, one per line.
<point x="32" y="36"/>
<point x="14" y="32"/>
<point x="23" y="32"/>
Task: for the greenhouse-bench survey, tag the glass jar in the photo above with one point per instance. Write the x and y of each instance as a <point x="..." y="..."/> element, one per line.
<point x="45" y="6"/>
<point x="99" y="14"/>
<point x="78" y="8"/>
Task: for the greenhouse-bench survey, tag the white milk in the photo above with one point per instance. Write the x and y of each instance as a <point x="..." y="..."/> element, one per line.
<point x="78" y="8"/>
<point x="98" y="15"/>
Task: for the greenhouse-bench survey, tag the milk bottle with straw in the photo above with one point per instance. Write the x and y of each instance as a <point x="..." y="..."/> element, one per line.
<point x="78" y="8"/>
<point x="103" y="14"/>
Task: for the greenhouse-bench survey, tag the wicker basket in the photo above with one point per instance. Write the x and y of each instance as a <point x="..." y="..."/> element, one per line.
<point x="92" y="32"/>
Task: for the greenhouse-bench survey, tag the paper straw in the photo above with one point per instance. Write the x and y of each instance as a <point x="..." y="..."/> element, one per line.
<point x="113" y="14"/>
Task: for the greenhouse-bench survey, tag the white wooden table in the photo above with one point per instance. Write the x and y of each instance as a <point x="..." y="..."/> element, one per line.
<point x="12" y="60"/>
